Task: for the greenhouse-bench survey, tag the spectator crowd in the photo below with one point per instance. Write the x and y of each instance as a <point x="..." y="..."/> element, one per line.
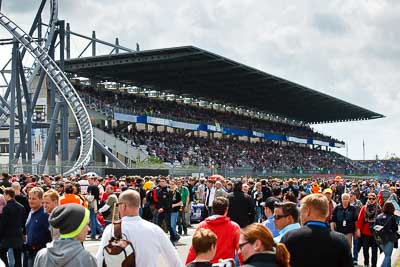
<point x="244" y="221"/>
<point x="141" y="105"/>
<point x="231" y="153"/>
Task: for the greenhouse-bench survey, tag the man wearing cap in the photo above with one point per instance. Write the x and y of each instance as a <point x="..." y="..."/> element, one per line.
<point x="72" y="221"/>
<point x="328" y="193"/>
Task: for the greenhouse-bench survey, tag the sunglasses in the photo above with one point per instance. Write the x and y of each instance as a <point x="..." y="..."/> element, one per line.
<point x="371" y="198"/>
<point x="278" y="217"/>
<point x="243" y="244"/>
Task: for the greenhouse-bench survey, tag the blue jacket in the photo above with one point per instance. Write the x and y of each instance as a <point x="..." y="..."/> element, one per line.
<point x="37" y="230"/>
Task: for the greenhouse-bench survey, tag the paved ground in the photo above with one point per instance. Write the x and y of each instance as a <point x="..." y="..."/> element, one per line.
<point x="185" y="241"/>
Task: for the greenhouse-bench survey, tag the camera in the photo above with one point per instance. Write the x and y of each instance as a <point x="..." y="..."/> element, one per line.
<point x="225" y="263"/>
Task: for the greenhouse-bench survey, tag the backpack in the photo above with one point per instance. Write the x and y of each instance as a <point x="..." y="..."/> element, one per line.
<point x="119" y="252"/>
<point x="378" y="232"/>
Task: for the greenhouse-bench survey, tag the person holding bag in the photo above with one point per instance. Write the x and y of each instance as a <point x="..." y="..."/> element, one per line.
<point x="389" y="232"/>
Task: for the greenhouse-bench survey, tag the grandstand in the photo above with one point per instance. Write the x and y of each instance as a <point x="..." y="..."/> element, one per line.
<point x="252" y="122"/>
<point x="178" y="107"/>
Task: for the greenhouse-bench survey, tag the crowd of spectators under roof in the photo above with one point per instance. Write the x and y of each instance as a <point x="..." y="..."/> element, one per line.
<point x="139" y="105"/>
<point x="230" y="153"/>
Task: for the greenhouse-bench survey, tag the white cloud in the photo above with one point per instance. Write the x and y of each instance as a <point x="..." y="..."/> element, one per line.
<point x="347" y="49"/>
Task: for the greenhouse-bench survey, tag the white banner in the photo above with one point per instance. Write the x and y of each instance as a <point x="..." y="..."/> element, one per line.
<point x="297" y="140"/>
<point x="321" y="143"/>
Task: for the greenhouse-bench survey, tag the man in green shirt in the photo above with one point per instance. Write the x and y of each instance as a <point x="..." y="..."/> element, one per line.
<point x="184" y="191"/>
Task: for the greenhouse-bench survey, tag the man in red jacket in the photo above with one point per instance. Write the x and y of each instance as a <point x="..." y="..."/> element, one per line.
<point x="227" y="232"/>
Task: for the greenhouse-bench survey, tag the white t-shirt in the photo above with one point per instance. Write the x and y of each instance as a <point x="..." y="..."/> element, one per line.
<point x="148" y="240"/>
<point x="84" y="184"/>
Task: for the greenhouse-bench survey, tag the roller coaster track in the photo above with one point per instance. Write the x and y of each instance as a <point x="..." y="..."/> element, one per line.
<point x="34" y="69"/>
<point x="64" y="87"/>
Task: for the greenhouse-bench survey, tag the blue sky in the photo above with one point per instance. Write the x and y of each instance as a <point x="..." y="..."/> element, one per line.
<point x="347" y="49"/>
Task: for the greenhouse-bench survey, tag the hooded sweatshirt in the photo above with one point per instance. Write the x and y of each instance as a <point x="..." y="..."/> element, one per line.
<point x="66" y="253"/>
<point x="228" y="234"/>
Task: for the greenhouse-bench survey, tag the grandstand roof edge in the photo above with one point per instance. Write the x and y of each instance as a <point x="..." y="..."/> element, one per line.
<point x="317" y="113"/>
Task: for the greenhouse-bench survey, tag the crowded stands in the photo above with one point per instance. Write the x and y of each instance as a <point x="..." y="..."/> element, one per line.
<point x="232" y="153"/>
<point x="140" y="105"/>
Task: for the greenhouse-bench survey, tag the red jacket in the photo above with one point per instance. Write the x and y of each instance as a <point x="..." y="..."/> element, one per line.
<point x="227" y="233"/>
<point x="362" y="224"/>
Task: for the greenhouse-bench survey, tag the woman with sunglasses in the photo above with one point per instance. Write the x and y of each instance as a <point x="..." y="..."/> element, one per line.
<point x="365" y="222"/>
<point x="258" y="248"/>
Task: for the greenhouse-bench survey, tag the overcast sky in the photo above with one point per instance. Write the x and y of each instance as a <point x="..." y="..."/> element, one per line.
<point x="347" y="49"/>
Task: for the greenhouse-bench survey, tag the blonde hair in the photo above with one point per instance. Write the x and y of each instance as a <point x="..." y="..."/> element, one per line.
<point x="316" y="202"/>
<point x="38" y="191"/>
<point x="52" y="194"/>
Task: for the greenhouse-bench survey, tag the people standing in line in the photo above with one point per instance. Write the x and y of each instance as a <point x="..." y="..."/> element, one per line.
<point x="164" y="208"/>
<point x="328" y="248"/>
<point x="12" y="226"/>
<point x="269" y="207"/>
<point x="344" y="218"/>
<point x="387" y="219"/>
<point x="241" y="206"/>
<point x="72" y="221"/>
<point x="37" y="227"/>
<point x="365" y="222"/>
<point x="148" y="240"/>
<point x="50" y="202"/>
<point x="258" y="248"/>
<point x="204" y="244"/>
<point x="286" y="218"/>
<point x="227" y="232"/>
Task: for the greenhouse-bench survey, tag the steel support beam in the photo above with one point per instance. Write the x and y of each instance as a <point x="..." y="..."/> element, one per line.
<point x="111" y="156"/>
<point x="20" y="113"/>
<point x="101" y="42"/>
<point x="68" y="41"/>
<point x="64" y="107"/>
<point x="52" y="132"/>
<point x="27" y="130"/>
<point x="93" y="44"/>
<point x="13" y="85"/>
<point x="52" y="100"/>
<point x="75" y="152"/>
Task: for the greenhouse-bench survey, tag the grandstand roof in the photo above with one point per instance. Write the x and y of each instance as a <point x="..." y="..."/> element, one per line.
<point x="193" y="71"/>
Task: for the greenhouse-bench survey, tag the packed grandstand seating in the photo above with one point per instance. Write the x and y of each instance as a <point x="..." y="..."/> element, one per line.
<point x="230" y="153"/>
<point x="139" y="105"/>
<point x="381" y="167"/>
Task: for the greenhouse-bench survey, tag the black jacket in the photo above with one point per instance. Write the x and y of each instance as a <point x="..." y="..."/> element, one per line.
<point x="12" y="224"/>
<point x="390" y="229"/>
<point x="261" y="260"/>
<point x="316" y="246"/>
<point x="241" y="208"/>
